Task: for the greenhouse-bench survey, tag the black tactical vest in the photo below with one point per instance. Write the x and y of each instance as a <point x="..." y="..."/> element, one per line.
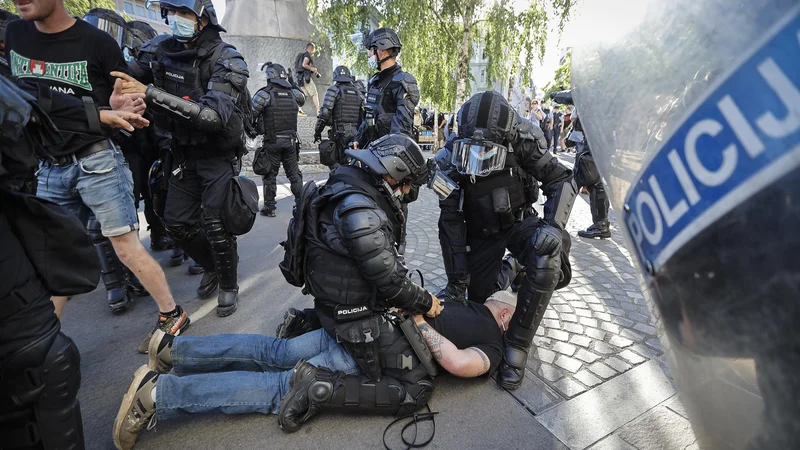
<point x="280" y="117"/>
<point x="331" y="273"/>
<point x="495" y="202"/>
<point x="380" y="109"/>
<point x="347" y="110"/>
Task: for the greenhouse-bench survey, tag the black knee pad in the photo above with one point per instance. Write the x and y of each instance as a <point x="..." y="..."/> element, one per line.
<point x="62" y="374"/>
<point x="543" y="272"/>
<point x="22" y="374"/>
<point x="182" y="233"/>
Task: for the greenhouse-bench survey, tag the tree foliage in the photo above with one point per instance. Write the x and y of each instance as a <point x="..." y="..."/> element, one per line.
<point x="562" y="79"/>
<point x="75" y="8"/>
<point x="438" y="37"/>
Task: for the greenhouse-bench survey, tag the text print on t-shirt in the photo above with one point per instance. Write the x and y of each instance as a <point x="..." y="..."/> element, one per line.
<point x="72" y="73"/>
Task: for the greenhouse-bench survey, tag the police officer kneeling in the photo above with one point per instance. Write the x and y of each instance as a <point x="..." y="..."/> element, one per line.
<point x="493" y="158"/>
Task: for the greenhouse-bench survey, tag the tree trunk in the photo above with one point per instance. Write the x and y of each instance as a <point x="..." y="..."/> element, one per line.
<point x="463" y="56"/>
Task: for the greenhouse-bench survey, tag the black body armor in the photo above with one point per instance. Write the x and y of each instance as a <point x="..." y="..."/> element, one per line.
<point x="281" y="115"/>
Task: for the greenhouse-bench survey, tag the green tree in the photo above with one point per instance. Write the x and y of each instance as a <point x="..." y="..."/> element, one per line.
<point x="438" y="37"/>
<point x="562" y="78"/>
<point x="75" y="8"/>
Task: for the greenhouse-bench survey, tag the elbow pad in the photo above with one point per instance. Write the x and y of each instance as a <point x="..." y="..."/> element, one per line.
<point x="205" y="119"/>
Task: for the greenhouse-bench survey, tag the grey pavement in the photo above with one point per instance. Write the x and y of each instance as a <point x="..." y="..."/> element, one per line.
<point x="597" y="377"/>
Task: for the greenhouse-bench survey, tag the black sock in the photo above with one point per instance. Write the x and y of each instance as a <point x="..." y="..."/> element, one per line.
<point x="174" y="313"/>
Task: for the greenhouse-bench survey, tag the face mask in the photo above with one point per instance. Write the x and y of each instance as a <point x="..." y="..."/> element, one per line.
<point x="182" y="29"/>
<point x="373" y="62"/>
<point x="127" y="54"/>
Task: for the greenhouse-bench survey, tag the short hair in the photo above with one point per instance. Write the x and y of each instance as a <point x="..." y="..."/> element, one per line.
<point x="311" y="44"/>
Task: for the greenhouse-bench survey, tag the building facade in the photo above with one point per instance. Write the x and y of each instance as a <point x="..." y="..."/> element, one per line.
<point x="137" y="10"/>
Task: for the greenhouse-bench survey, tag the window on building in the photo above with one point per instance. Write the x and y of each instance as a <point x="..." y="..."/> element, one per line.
<point x="128" y="7"/>
<point x="483" y="76"/>
<point x="151" y="14"/>
<point x="140" y="11"/>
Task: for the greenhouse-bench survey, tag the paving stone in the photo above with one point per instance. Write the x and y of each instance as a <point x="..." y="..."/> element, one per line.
<point x="610" y="327"/>
<point x="550" y="314"/>
<point x="572" y="328"/>
<point x="588" y="322"/>
<point x="639" y="317"/>
<point x="645" y="350"/>
<point x="603" y="348"/>
<point x="654" y="343"/>
<point x="564" y="349"/>
<point x="618" y="364"/>
<point x="631" y="357"/>
<point x="598" y="307"/>
<point x="583" y="312"/>
<point x="550" y="323"/>
<point x="619" y="341"/>
<point x="558" y="334"/>
<point x="644" y="328"/>
<point x="586" y="356"/>
<point x="563" y="308"/>
<point x="602" y="316"/>
<point x="542" y="341"/>
<point x="569" y="387"/>
<point x="535" y="394"/>
<point x="632" y="335"/>
<point x="602" y="370"/>
<point x="612" y="442"/>
<point x="615" y="311"/>
<point x="544" y="355"/>
<point x="566" y="317"/>
<point x="622" y="321"/>
<point x="567" y="363"/>
<point x="659" y="428"/>
<point x="581" y="340"/>
<point x="587" y="378"/>
<point x="549" y="372"/>
<point x="676" y="405"/>
<point x="595" y="333"/>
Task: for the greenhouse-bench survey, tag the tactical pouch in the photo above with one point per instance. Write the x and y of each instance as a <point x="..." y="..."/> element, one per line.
<point x="585" y="170"/>
<point x="241" y="205"/>
<point x="327" y="153"/>
<point x="261" y="161"/>
<point x="360" y="339"/>
<point x="420" y="347"/>
<point x="502" y="207"/>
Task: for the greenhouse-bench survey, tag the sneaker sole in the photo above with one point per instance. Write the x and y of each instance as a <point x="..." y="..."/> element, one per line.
<point x="226" y="311"/>
<point x="122" y="306"/>
<point x="127" y="402"/>
<point x="152" y="352"/>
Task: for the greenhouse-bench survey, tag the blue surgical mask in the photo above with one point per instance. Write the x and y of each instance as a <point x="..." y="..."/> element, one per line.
<point x="182" y="29"/>
<point x="373" y="62"/>
<point x="127" y="54"/>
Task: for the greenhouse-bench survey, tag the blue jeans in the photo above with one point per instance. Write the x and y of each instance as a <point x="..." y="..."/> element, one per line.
<point x="101" y="184"/>
<point x="241" y="373"/>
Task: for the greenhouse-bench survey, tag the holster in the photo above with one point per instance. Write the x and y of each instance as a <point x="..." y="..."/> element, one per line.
<point x="360" y="338"/>
<point x="418" y="344"/>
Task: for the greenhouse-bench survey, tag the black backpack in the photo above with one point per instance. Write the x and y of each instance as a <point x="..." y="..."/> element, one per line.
<point x="298" y="67"/>
<point x="293" y="265"/>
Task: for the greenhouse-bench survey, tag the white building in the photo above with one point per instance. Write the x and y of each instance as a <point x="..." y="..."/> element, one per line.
<point x="478" y="68"/>
<point x="136" y="10"/>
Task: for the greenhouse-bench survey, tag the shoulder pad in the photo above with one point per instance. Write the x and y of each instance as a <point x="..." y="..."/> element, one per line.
<point x="261" y="99"/>
<point x="355" y="201"/>
<point x="410" y="85"/>
<point x="335" y="89"/>
<point x="404" y="77"/>
<point x="525" y="129"/>
<point x="152" y="45"/>
<point x="233" y="60"/>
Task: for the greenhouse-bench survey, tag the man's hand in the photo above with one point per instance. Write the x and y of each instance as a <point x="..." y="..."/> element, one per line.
<point x="132" y="103"/>
<point x="436" y="307"/>
<point x="418" y="319"/>
<point x="123" y="119"/>
<point x="129" y="84"/>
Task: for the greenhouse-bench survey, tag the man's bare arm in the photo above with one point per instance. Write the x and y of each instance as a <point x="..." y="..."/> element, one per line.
<point x="470" y="362"/>
<point x="307" y="65"/>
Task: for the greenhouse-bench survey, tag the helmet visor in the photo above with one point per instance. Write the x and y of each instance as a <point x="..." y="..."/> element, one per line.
<point x="478" y="158"/>
<point x="116" y="30"/>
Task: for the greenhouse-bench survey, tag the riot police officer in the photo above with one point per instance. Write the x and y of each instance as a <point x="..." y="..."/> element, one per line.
<point x="275" y="108"/>
<point x="491" y="159"/>
<point x="342" y="110"/>
<point x="586" y="174"/>
<point x="198" y="90"/>
<point x="353" y="270"/>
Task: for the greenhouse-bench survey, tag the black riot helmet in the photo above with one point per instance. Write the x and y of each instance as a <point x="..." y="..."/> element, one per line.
<point x="108" y="21"/>
<point x="276" y="74"/>
<point x="383" y="39"/>
<point x="396" y="155"/>
<point x="199" y="7"/>
<point x="138" y="33"/>
<point x="486" y="123"/>
<point x="342" y="74"/>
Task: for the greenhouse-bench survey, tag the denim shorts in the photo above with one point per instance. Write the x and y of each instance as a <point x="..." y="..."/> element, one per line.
<point x="99" y="184"/>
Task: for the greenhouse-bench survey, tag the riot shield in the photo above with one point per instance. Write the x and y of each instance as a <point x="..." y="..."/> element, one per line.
<point x="693" y="116"/>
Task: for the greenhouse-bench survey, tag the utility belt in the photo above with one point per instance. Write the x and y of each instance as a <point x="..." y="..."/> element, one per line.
<point x="73" y="158"/>
<point x="291" y="135"/>
<point x="21" y="297"/>
<point x="369" y="335"/>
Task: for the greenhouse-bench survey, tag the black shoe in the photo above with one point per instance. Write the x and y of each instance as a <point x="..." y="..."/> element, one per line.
<point x="118" y="299"/>
<point x="598" y="230"/>
<point x="208" y="284"/>
<point x="160" y="243"/>
<point x="297" y="406"/>
<point x="196" y="269"/>
<point x="268" y="212"/>
<point x="135" y="286"/>
<point x="512" y="370"/>
<point x="295" y="323"/>
<point x="177" y="257"/>
<point x="226" y="302"/>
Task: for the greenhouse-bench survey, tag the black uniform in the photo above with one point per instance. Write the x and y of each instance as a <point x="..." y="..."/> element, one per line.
<point x="586" y="174"/>
<point x="354" y="272"/>
<point x="206" y="134"/>
<point x="39" y="365"/>
<point x="491" y="212"/>
<point x="275" y="108"/>
<point x="343" y="111"/>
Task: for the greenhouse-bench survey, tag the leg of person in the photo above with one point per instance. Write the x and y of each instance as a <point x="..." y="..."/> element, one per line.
<point x="112" y="268"/>
<point x="270" y="182"/>
<point x="542" y="272"/>
<point x="291" y="165"/>
<point x="182" y="218"/>
<point x="39" y="380"/>
<point x="216" y="174"/>
<point x="485" y="259"/>
<point x="316" y="385"/>
<point x="598" y="203"/>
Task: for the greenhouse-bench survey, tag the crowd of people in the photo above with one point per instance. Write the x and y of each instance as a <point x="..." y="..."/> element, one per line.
<point x="98" y="113"/>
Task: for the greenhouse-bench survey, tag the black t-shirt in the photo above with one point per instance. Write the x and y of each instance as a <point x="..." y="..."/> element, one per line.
<point x="472" y="325"/>
<point x="77" y="61"/>
<point x="557" y="120"/>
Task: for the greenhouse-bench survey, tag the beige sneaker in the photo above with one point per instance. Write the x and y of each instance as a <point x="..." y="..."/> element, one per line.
<point x="137" y="409"/>
<point x="169" y="325"/>
<point x="160" y="352"/>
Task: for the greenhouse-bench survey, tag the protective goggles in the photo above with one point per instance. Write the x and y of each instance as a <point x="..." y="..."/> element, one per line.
<point x="479" y="158"/>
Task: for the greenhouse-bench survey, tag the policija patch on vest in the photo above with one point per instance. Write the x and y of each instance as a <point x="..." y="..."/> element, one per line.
<point x="348" y="313"/>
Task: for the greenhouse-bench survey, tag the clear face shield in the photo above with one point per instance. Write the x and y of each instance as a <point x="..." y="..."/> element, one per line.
<point x="478" y="158"/>
<point x="116" y="30"/>
<point x="441" y="184"/>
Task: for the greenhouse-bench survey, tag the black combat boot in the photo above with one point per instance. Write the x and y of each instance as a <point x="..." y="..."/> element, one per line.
<point x="177" y="257"/>
<point x="296" y="323"/>
<point x="135" y="286"/>
<point x="226" y="261"/>
<point x="599" y="230"/>
<point x="159" y="241"/>
<point x="531" y="305"/>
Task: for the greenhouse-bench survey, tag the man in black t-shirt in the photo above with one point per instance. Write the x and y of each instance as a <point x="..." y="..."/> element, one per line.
<point x="89" y="173"/>
<point x="306" y="79"/>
